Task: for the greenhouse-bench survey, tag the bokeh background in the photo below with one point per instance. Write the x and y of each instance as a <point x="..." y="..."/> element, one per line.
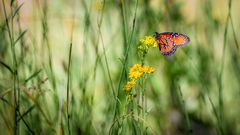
<point x="195" y="91"/>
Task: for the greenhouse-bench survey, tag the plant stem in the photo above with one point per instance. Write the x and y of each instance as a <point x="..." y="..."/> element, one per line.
<point x="143" y="110"/>
<point x="15" y="67"/>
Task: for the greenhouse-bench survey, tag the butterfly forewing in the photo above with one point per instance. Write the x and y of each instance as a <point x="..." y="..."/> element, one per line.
<point x="180" y="39"/>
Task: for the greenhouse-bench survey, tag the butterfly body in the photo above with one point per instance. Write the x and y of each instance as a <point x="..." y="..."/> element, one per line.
<point x="168" y="42"/>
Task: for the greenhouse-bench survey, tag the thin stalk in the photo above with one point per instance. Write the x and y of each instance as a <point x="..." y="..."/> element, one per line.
<point x="216" y="114"/>
<point x="234" y="33"/>
<point x="125" y="60"/>
<point x="138" y="103"/>
<point x="183" y="109"/>
<point x="69" y="74"/>
<point x="220" y="97"/>
<point x="21" y="33"/>
<point x="143" y="111"/>
<point x="124" y="32"/>
<point x="68" y="87"/>
<point x="45" y="41"/>
<point x="104" y="51"/>
<point x="107" y="65"/>
<point x="15" y="67"/>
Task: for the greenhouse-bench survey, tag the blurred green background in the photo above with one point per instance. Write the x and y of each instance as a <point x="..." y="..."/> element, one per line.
<point x="196" y="91"/>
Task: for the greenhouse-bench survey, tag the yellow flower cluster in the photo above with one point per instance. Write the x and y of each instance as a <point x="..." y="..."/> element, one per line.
<point x="147" y="69"/>
<point x="129" y="85"/>
<point x="147" y="42"/>
<point x="137" y="71"/>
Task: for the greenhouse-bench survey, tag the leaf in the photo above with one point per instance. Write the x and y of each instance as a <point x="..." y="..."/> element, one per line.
<point x="6" y="66"/>
<point x="6" y="101"/>
<point x="32" y="76"/>
<point x="17" y="10"/>
<point x="12" y="1"/>
<point x="25" y="113"/>
<point x="20" y="36"/>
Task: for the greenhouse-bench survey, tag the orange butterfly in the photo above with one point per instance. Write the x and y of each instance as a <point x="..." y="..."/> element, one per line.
<point x="168" y="42"/>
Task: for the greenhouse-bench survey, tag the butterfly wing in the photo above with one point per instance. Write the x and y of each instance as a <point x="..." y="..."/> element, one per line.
<point x="179" y="39"/>
<point x="168" y="42"/>
<point x="165" y="44"/>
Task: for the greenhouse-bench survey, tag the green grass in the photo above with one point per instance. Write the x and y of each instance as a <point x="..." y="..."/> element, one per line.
<point x="63" y="66"/>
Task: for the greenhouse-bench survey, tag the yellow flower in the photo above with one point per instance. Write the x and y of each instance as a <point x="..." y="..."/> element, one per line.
<point x="149" y="41"/>
<point x="155" y="44"/>
<point x="148" y="70"/>
<point x="135" y="71"/>
<point x="128" y="87"/>
<point x="135" y="75"/>
<point x="136" y="67"/>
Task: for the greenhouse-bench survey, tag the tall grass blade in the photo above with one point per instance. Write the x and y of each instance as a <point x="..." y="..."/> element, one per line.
<point x="20" y="37"/>
<point x="35" y="74"/>
<point x="234" y="33"/>
<point x="17" y="10"/>
<point x="6" y="66"/>
<point x="68" y="87"/>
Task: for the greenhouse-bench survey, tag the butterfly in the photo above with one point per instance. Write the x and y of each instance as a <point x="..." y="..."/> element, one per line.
<point x="168" y="42"/>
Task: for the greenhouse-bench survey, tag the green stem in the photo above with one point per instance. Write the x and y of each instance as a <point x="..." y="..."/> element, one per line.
<point x="15" y="67"/>
<point x="183" y="109"/>
<point x="143" y="110"/>
<point x="68" y="87"/>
